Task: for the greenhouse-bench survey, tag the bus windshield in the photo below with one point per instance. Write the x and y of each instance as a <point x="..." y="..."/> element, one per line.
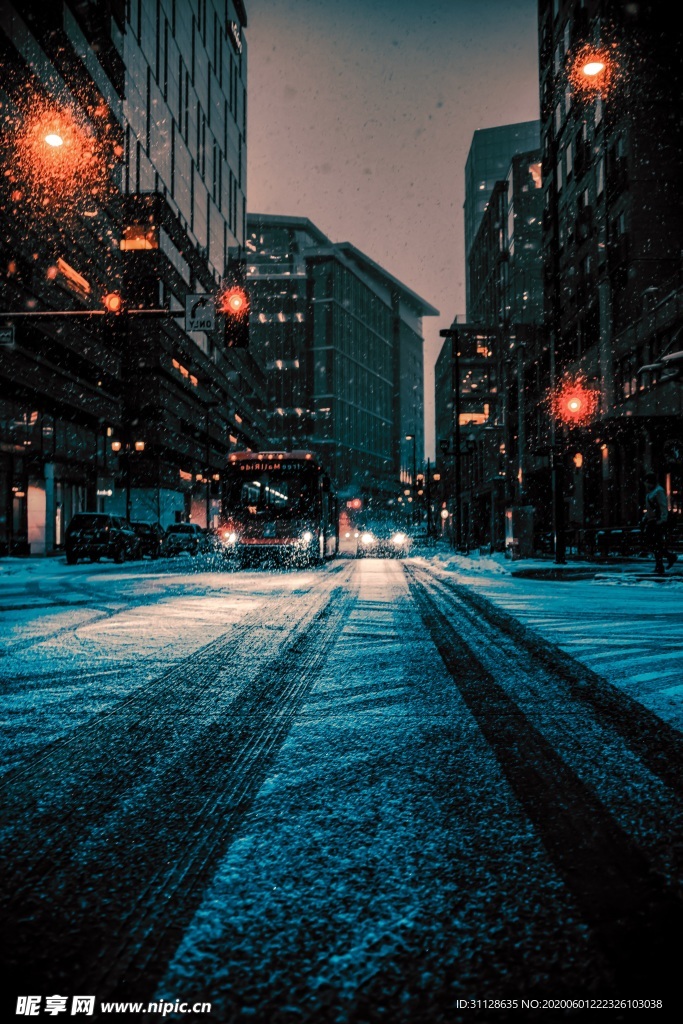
<point x="285" y="493"/>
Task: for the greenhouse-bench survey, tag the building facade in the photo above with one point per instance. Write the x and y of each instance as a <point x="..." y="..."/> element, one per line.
<point x="184" y="212"/>
<point x="612" y="240"/>
<point x="488" y="161"/>
<point x="495" y="352"/>
<point x="143" y="195"/>
<point x="340" y="341"/>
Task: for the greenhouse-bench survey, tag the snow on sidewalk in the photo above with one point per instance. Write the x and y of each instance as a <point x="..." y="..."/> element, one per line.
<point x="616" y="619"/>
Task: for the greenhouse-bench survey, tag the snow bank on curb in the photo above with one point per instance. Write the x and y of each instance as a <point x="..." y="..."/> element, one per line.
<point x="467" y="565"/>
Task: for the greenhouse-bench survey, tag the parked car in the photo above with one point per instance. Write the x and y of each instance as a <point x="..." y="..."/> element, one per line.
<point x="96" y="535"/>
<point x="187" y="537"/>
<point x="151" y="537"/>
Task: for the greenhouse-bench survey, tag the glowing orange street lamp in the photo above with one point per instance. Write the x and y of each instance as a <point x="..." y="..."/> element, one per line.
<point x="54" y="140"/>
<point x="593" y="68"/>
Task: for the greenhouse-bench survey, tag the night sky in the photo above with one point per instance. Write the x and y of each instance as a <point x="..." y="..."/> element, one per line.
<point x="361" y="115"/>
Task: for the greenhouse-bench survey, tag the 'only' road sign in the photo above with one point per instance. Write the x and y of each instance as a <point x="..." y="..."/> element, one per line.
<point x="7" y="336"/>
<point x="200" y="313"/>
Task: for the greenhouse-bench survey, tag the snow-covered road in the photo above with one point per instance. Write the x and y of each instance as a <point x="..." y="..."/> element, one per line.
<point x="351" y="794"/>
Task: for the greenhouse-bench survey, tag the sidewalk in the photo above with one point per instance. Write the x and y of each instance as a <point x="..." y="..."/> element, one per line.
<point x="617" y="618"/>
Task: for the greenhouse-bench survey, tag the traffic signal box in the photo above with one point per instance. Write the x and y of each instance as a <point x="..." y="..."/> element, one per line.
<point x="113" y="303"/>
<point x="234" y="304"/>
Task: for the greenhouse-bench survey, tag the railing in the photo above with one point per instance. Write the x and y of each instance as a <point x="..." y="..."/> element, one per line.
<point x="602" y="542"/>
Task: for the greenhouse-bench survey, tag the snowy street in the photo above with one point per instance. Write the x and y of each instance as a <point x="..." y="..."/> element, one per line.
<point x="370" y="791"/>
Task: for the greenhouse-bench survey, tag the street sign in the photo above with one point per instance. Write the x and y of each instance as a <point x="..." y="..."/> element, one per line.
<point x="7" y="336"/>
<point x="200" y="312"/>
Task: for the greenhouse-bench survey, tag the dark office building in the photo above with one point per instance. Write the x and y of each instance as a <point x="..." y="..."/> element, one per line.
<point x="612" y="241"/>
<point x="496" y="353"/>
<point x="488" y="161"/>
<point x="124" y="134"/>
<point x="340" y="341"/>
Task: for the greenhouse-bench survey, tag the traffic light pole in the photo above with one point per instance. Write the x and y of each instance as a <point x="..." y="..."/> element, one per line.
<point x="559" y="536"/>
<point x="47" y="313"/>
<point x="454" y="335"/>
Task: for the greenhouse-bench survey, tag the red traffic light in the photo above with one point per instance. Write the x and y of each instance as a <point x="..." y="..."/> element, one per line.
<point x="234" y="302"/>
<point x="573" y="402"/>
<point x="112" y="302"/>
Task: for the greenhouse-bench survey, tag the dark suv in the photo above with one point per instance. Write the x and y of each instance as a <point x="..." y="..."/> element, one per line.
<point x="151" y="537"/>
<point x="96" y="535"/>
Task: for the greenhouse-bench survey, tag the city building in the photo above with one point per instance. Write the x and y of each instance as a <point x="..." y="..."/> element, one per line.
<point x="488" y="161"/>
<point x="612" y="139"/>
<point x="488" y="372"/>
<point x="340" y="342"/>
<point x="184" y="212"/>
<point x="124" y="147"/>
<point x="60" y="380"/>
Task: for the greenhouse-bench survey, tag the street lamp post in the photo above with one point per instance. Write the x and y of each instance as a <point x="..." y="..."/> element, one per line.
<point x="208" y="406"/>
<point x="454" y="335"/>
<point x="413" y="479"/>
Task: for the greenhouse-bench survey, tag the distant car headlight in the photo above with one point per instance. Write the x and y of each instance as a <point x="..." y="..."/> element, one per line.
<point x="367" y="538"/>
<point x="307" y="536"/>
<point x="398" y="539"/>
<point x="229" y="537"/>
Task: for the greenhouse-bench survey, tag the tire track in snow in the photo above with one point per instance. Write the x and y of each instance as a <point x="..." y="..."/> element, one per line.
<point x="619" y="887"/>
<point x="113" y="833"/>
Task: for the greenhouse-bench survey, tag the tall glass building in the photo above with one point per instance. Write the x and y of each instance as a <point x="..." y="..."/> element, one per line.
<point x="185" y="115"/>
<point x="488" y="161"/>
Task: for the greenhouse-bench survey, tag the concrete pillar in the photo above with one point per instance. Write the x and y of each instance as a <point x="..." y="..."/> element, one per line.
<point x="50" y="509"/>
<point x="36" y="517"/>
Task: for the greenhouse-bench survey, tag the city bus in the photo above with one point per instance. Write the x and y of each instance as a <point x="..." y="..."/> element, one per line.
<point x="278" y="504"/>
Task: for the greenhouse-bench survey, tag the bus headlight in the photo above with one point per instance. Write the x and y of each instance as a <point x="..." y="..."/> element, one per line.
<point x="398" y="539"/>
<point x="367" y="539"/>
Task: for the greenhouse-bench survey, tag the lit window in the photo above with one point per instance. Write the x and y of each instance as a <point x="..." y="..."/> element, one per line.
<point x="140" y="236"/>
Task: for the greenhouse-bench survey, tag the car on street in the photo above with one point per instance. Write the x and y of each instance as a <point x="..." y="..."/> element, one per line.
<point x="96" y="535"/>
<point x="151" y="537"/>
<point x="185" y="537"/>
<point x="383" y="537"/>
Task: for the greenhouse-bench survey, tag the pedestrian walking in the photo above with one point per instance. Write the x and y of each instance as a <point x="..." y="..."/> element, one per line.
<point x="656" y="523"/>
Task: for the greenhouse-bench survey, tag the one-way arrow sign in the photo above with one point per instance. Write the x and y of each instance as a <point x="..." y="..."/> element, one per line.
<point x="200" y="313"/>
